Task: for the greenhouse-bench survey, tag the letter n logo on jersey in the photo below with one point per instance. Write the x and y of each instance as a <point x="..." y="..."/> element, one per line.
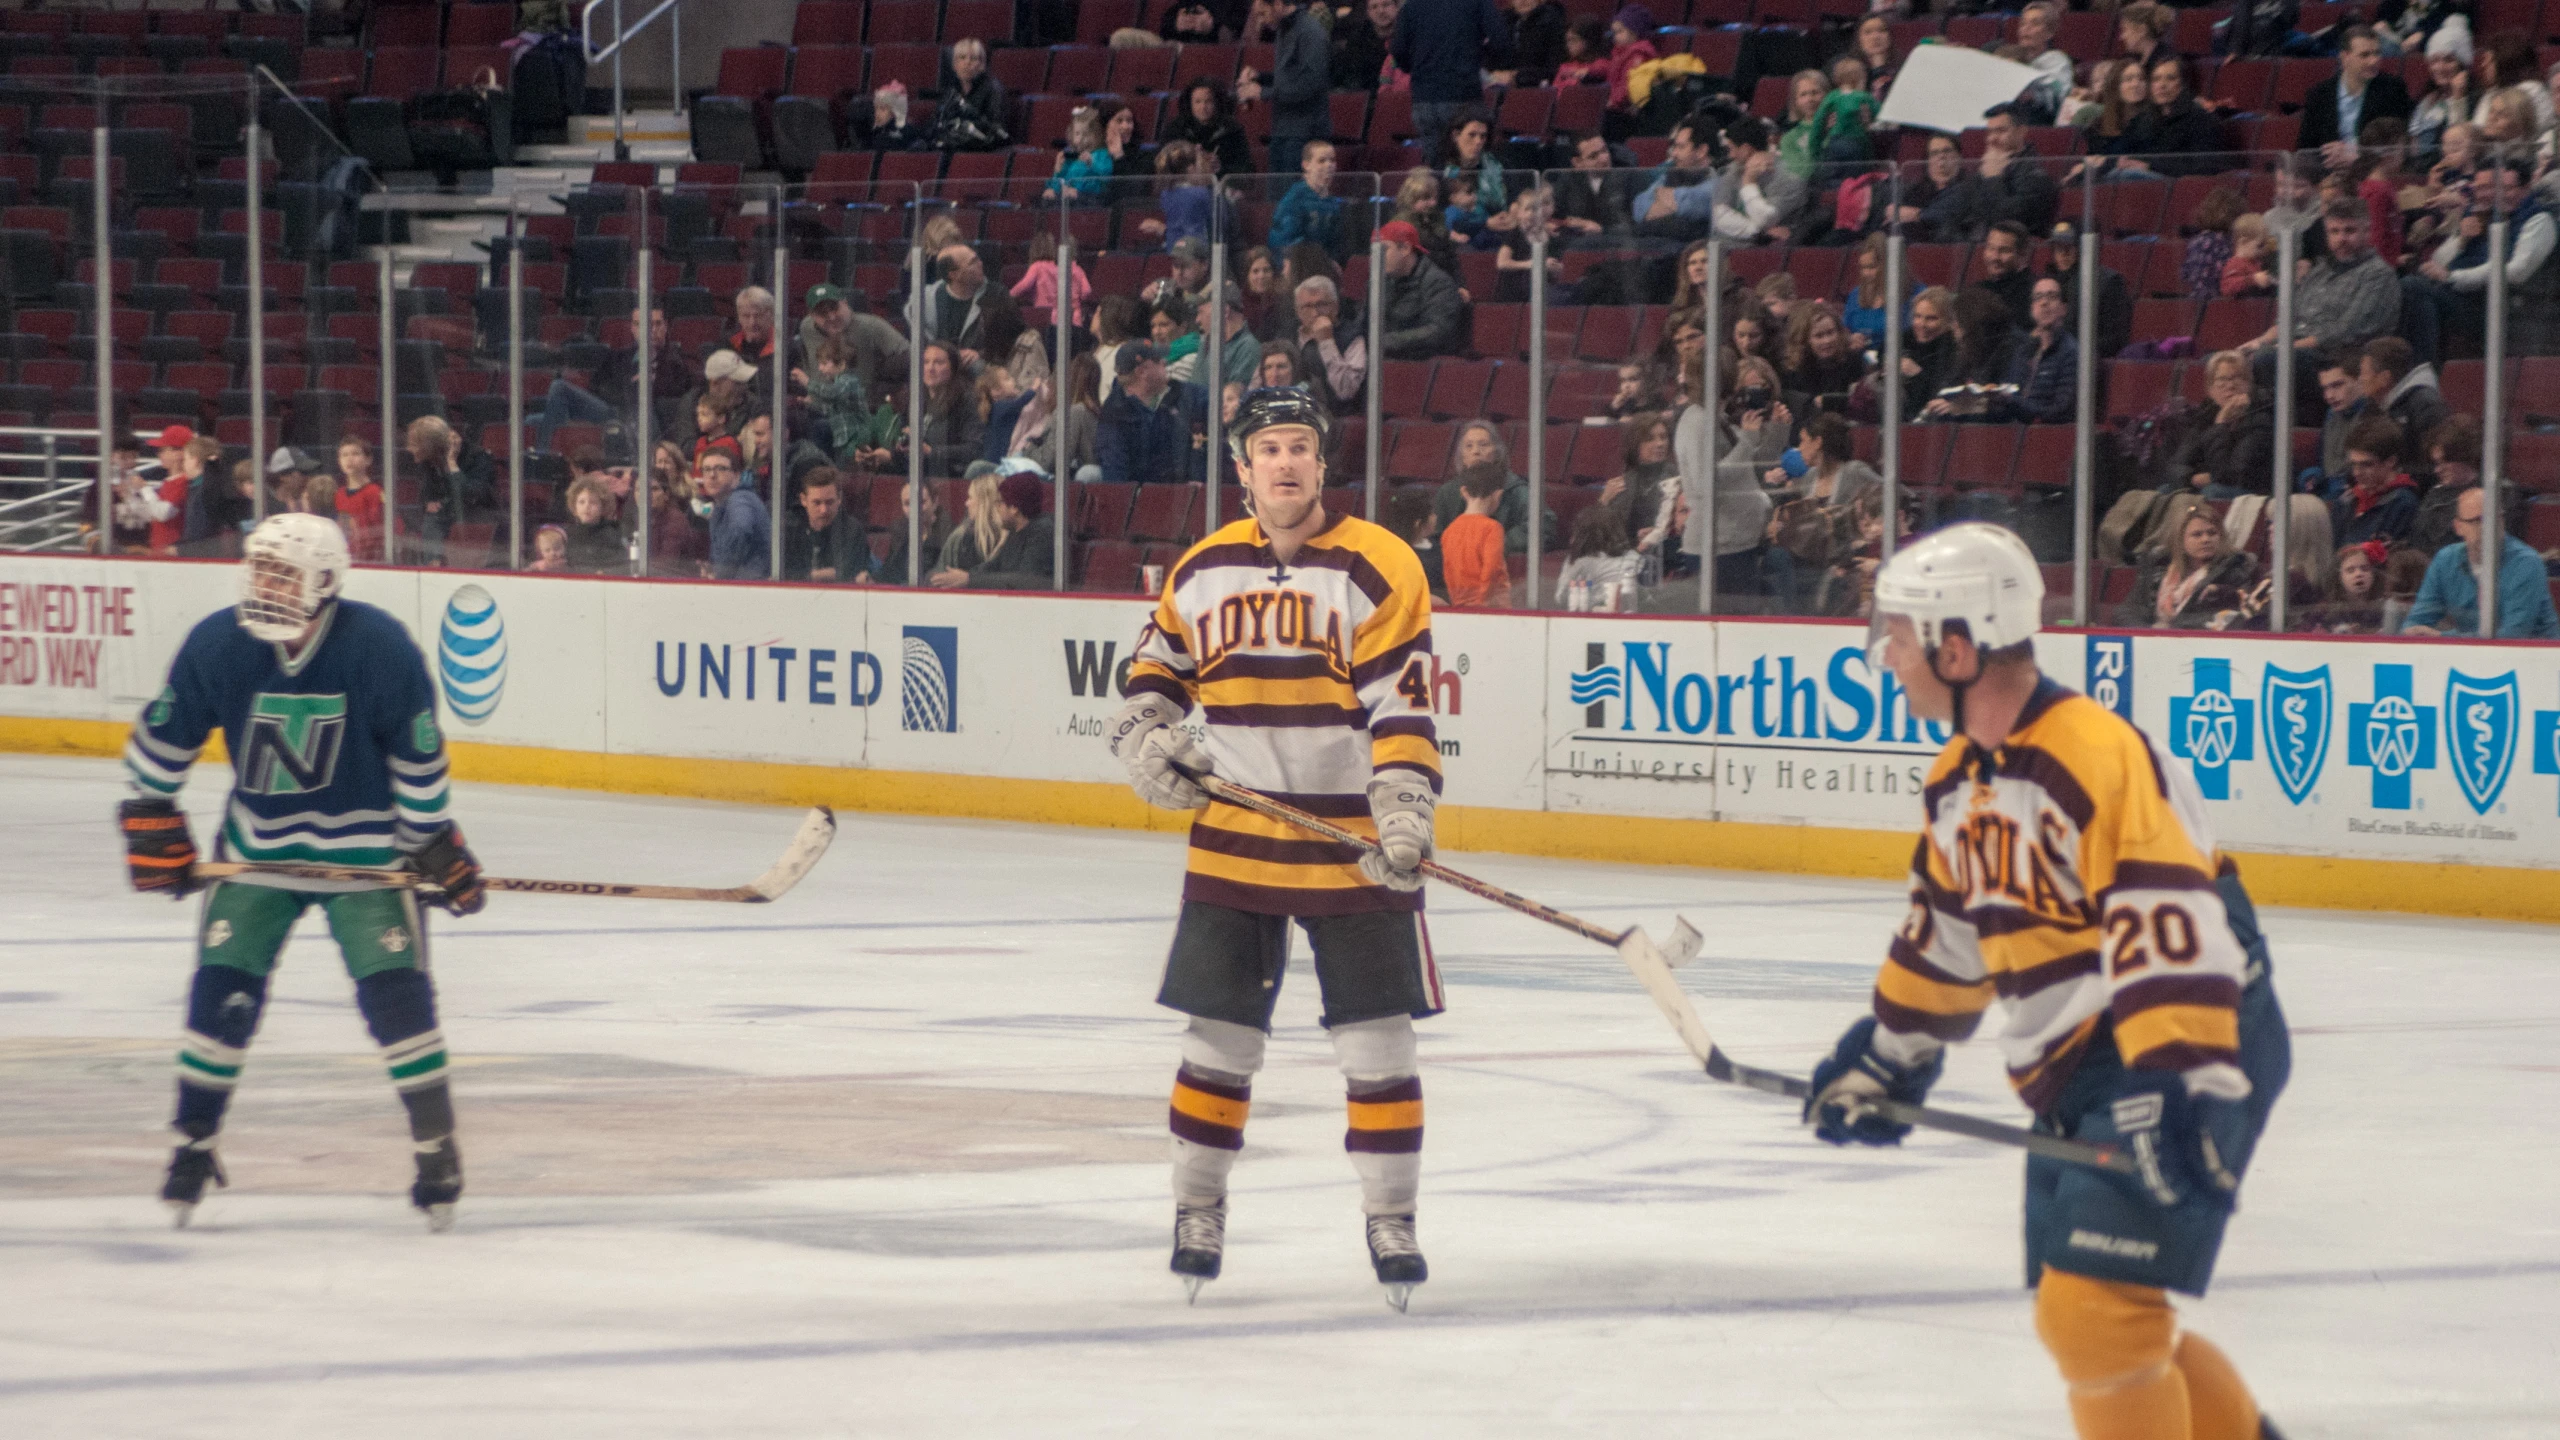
<point x="2296" y="706"/>
<point x="292" y="747"/>
<point x="2480" y="724"/>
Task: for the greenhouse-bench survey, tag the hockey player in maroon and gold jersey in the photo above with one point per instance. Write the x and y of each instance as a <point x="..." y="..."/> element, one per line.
<point x="1303" y="639"/>
<point x="2066" y="868"/>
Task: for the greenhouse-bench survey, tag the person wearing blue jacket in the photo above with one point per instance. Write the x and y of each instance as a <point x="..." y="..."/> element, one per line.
<point x="1151" y="428"/>
<point x="1446" y="46"/>
<point x="2449" y="598"/>
<point x="1310" y="214"/>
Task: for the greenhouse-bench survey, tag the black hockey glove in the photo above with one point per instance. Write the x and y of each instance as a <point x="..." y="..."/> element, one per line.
<point x="2187" y="1146"/>
<point x="1853" y="1073"/>
<point x="157" y="848"/>
<point x="449" y="863"/>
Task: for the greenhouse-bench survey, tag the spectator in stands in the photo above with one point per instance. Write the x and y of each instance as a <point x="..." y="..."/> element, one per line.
<point x="1630" y="45"/>
<point x="1205" y="116"/>
<point x="1752" y="426"/>
<point x="961" y="309"/>
<point x="1817" y="493"/>
<point x="2115" y="296"/>
<point x="2044" y="363"/>
<point x="1025" y="425"/>
<point x="1537" y="43"/>
<point x="454" y="481"/>
<point x="1039" y="287"/>
<point x="1474" y="558"/>
<point x="1084" y="171"/>
<point x="2338" y="108"/>
<point x="1479" y="444"/>
<point x="1680" y="203"/>
<point x="2008" y="183"/>
<point x="1360" y="49"/>
<point x="1822" y="360"/>
<point x="1603" y="561"/>
<point x="1863" y="309"/>
<point x="1193" y="22"/>
<point x="753" y="338"/>
<point x="1982" y="328"/>
<point x="1752" y="334"/>
<point x="884" y="126"/>
<point x="1187" y="281"/>
<point x="1301" y="87"/>
<point x="2003" y="263"/>
<point x="595" y="542"/>
<point x="2504" y="65"/>
<point x="2173" y="135"/>
<point x="951" y="425"/>
<point x="1591" y="202"/>
<point x="2382" y="502"/>
<point x="877" y="350"/>
<point x="2351" y="597"/>
<point x="1424" y="313"/>
<point x="2378" y="181"/>
<point x="615" y="394"/>
<point x="1796" y="129"/>
<point x="2449" y="96"/>
<point x="2038" y="23"/>
<point x="2449" y="294"/>
<point x="2142" y="32"/>
<point x="1640" y="497"/>
<point x="1873" y="45"/>
<point x="1027" y="557"/>
<point x="2248" y="272"/>
<point x="2085" y="106"/>
<point x="2345" y="299"/>
<point x="1447" y="46"/>
<point x="1172" y="328"/>
<point x="1263" y="292"/>
<point x="2231" y="455"/>
<point x="2401" y="386"/>
<point x="936" y="528"/>
<point x="1333" y="359"/>
<point x="1928" y="349"/>
<point x="550" y="552"/>
<point x="1466" y="147"/>
<point x="2211" y="248"/>
<point x="822" y="542"/>
<point x="1310" y="214"/>
<point x="2449" y="598"/>
<point x="2452" y="451"/>
<point x="2117" y="128"/>
<point x="1934" y="203"/>
<point x="2200" y="578"/>
<point x="741" y="526"/>
<point x="679" y="539"/>
<point x="729" y="391"/>
<point x="2409" y="26"/>
<point x="1586" y="52"/>
<point x="1118" y="320"/>
<point x="359" y="500"/>
<point x="980" y="532"/>
<point x="1239" y="353"/>
<point x="1689" y="289"/>
<point x="1150" y="431"/>
<point x="2343" y="398"/>
<point x="972" y="110"/>
<point x="1418" y="205"/>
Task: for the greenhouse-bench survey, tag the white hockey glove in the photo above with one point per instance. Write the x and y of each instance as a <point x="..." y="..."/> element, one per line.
<point x="1147" y="738"/>
<point x="1402" y="804"/>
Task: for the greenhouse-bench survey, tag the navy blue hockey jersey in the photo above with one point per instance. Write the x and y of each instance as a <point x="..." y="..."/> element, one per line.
<point x="336" y="760"/>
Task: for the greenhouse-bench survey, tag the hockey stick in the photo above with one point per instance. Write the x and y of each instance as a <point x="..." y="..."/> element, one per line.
<point x="1653" y="964"/>
<point x="817" y="831"/>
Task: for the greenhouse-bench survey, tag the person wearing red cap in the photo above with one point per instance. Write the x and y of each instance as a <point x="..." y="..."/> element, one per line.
<point x="1425" y="310"/>
<point x="181" y="465"/>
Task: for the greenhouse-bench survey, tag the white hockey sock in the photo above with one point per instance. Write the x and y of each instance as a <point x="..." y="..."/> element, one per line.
<point x="1383" y="1095"/>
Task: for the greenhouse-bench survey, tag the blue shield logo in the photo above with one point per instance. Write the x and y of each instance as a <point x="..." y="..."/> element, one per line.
<point x="929" y="678"/>
<point x="2480" y="733"/>
<point x="2296" y="706"/>
<point x="2111" y="673"/>
<point x="2394" y="736"/>
<point x="471" y="655"/>
<point x="2210" y="729"/>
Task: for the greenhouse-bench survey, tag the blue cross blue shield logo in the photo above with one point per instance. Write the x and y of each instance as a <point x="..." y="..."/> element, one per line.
<point x="2480" y="733"/>
<point x="2393" y="735"/>
<point x="2210" y="729"/>
<point x="2296" y="705"/>
<point x="2546" y="742"/>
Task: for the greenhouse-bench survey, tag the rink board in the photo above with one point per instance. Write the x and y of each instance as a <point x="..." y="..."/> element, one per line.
<point x="2364" y="774"/>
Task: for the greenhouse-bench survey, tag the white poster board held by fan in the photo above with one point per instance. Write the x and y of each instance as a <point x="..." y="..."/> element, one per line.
<point x="1947" y="87"/>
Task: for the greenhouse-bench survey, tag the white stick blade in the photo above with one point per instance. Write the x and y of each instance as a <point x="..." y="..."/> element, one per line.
<point x="1684" y="944"/>
<point x="817" y="832"/>
<point x="1652" y="971"/>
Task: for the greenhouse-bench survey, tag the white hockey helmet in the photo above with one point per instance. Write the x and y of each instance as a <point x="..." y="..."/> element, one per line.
<point x="1980" y="574"/>
<point x="290" y="569"/>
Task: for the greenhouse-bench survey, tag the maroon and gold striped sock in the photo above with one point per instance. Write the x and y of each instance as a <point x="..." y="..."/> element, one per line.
<point x="1207" y="1119"/>
<point x="1385" y="1141"/>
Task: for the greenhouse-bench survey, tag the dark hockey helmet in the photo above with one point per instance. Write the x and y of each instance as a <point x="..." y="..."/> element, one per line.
<point x="1270" y="405"/>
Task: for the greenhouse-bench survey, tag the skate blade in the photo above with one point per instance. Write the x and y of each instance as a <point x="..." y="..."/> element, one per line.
<point x="1191" y="1288"/>
<point x="439" y="1218"/>
<point x="1399" y="1295"/>
<point x="180" y="1212"/>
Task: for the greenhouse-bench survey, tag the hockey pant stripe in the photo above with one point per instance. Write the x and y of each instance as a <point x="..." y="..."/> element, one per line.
<point x="1386" y="1119"/>
<point x="1209" y="1112"/>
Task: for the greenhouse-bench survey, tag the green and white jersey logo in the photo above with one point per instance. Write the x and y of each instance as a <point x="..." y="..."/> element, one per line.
<point x="162" y="708"/>
<point x="293" y="743"/>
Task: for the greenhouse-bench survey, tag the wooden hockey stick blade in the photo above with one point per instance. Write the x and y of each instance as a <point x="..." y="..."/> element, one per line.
<point x="817" y="831"/>
<point x="1653" y="971"/>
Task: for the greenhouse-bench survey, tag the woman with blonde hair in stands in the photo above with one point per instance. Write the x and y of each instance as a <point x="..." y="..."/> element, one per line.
<point x="1805" y="92"/>
<point x="1689" y="293"/>
<point x="1821" y="357"/>
<point x="981" y="533"/>
<point x="2201" y="577"/>
<point x="454" y="481"/>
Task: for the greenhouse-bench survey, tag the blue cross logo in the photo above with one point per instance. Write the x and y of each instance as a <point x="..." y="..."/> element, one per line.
<point x="2212" y="728"/>
<point x="2393" y="736"/>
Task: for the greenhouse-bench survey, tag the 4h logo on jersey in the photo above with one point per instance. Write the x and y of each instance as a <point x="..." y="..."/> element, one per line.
<point x="293" y="743"/>
<point x="2296" y="704"/>
<point x="2210" y="728"/>
<point x="2394" y="736"/>
<point x="2480" y="732"/>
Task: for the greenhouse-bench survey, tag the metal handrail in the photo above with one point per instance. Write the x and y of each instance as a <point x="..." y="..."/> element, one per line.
<point x="622" y="36"/>
<point x="52" y="515"/>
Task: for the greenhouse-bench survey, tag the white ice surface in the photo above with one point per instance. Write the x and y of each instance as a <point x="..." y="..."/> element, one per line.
<point x="885" y="1159"/>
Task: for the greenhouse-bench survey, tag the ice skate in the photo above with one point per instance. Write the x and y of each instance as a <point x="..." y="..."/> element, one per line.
<point x="1398" y="1258"/>
<point x="189" y="1167"/>
<point x="439" y="1183"/>
<point x="1199" y="1245"/>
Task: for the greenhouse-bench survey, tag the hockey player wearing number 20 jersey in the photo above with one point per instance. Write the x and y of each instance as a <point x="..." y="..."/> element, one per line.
<point x="329" y="718"/>
<point x="2067" y="870"/>
<point x="1303" y="643"/>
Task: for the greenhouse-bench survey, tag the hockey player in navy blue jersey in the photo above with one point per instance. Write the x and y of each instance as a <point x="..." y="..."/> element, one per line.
<point x="330" y="721"/>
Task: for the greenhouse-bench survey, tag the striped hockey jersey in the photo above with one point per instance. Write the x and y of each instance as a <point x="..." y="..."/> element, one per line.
<point x="1309" y="678"/>
<point x="336" y="759"/>
<point x="2070" y="874"/>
